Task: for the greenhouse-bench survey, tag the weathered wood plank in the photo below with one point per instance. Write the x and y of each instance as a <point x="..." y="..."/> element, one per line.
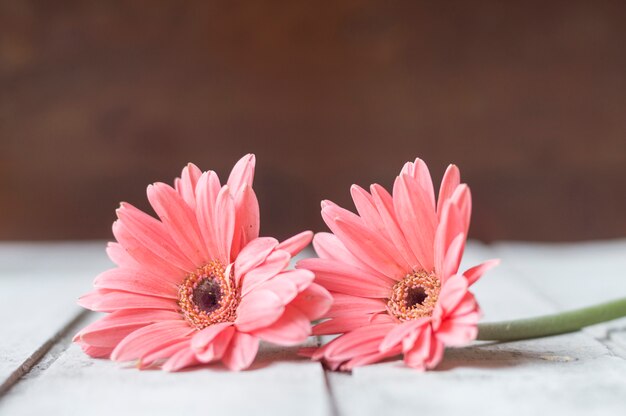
<point x="40" y="284"/>
<point x="571" y="374"/>
<point x="576" y="275"/>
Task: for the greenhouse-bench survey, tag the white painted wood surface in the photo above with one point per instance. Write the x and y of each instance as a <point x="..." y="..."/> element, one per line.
<point x="39" y="285"/>
<point x="580" y="373"/>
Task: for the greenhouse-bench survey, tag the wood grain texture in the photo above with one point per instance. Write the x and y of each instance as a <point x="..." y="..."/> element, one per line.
<point x="575" y="275"/>
<point x="99" y="99"/>
<point x="279" y="383"/>
<point x="40" y="285"/>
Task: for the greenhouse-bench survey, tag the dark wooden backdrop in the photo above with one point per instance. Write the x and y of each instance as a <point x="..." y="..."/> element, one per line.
<point x="98" y="99"/>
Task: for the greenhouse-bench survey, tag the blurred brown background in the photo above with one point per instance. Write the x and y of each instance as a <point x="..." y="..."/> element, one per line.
<point x="98" y="99"/>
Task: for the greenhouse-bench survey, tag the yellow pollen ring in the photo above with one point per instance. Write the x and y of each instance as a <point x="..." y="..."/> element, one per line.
<point x="227" y="300"/>
<point x="415" y="296"/>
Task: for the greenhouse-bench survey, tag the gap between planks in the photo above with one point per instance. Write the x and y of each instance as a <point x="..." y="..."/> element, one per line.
<point x="46" y="353"/>
<point x="332" y="400"/>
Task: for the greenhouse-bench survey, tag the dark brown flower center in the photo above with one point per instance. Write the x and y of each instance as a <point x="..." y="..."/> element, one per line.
<point x="209" y="296"/>
<point x="415" y="296"/>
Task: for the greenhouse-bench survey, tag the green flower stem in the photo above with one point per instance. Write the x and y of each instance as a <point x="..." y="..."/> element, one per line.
<point x="547" y="325"/>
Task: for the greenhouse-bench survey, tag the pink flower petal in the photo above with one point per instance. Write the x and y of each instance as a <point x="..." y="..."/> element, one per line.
<point x="243" y="349"/>
<point x="182" y="359"/>
<point x="451" y="179"/>
<point x="108" y="337"/>
<point x="364" y="340"/>
<point x="401" y="331"/>
<point x="132" y="317"/>
<point x="354" y="305"/>
<point x="150" y="338"/>
<point x="301" y="277"/>
<point x="416" y="217"/>
<point x="112" y="301"/>
<point x="136" y="282"/>
<point x="253" y="255"/>
<point x="463" y="199"/>
<point x="367" y="210"/>
<point x="276" y="262"/>
<point x="313" y="302"/>
<point x="258" y="309"/>
<point x="452" y="292"/>
<point x="247" y="220"/>
<point x="216" y="349"/>
<point x="364" y="244"/>
<point x="474" y="273"/>
<point x="224" y="224"/>
<point x="118" y="255"/>
<point x="146" y="259"/>
<point x="179" y="220"/>
<point x="328" y="246"/>
<point x="204" y="337"/>
<point x="297" y="243"/>
<point x="370" y="358"/>
<point x="111" y="329"/>
<point x="366" y="207"/>
<point x="471" y="318"/>
<point x="281" y="286"/>
<point x="207" y="189"/>
<point x="467" y="306"/>
<point x="456" y="335"/>
<point x="384" y="204"/>
<point x="453" y="257"/>
<point x="347" y="323"/>
<point x="419" y="352"/>
<point x="242" y="173"/>
<point x="418" y="170"/>
<point x="341" y="324"/>
<point x="343" y="278"/>
<point x="436" y="354"/>
<point x="187" y="184"/>
<point x="451" y="225"/>
<point x="426" y="353"/>
<point x="152" y="235"/>
<point x="166" y="351"/>
<point x="95" y="352"/>
<point x="292" y="328"/>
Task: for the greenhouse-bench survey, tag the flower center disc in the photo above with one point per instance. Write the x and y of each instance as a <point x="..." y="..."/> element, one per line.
<point x="208" y="297"/>
<point x="207" y="294"/>
<point x="415" y="296"/>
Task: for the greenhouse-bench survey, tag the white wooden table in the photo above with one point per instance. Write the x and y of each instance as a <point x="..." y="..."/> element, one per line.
<point x="42" y="372"/>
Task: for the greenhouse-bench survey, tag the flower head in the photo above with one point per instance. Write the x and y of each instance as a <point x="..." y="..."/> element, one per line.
<point x="198" y="285"/>
<point x="393" y="272"/>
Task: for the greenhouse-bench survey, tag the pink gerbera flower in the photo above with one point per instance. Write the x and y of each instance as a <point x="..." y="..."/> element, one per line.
<point x="198" y="285"/>
<point x="393" y="272"/>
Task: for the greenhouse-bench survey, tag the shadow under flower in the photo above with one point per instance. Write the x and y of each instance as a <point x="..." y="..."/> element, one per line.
<point x="496" y="355"/>
<point x="491" y="355"/>
<point x="267" y="355"/>
<point x="271" y="354"/>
